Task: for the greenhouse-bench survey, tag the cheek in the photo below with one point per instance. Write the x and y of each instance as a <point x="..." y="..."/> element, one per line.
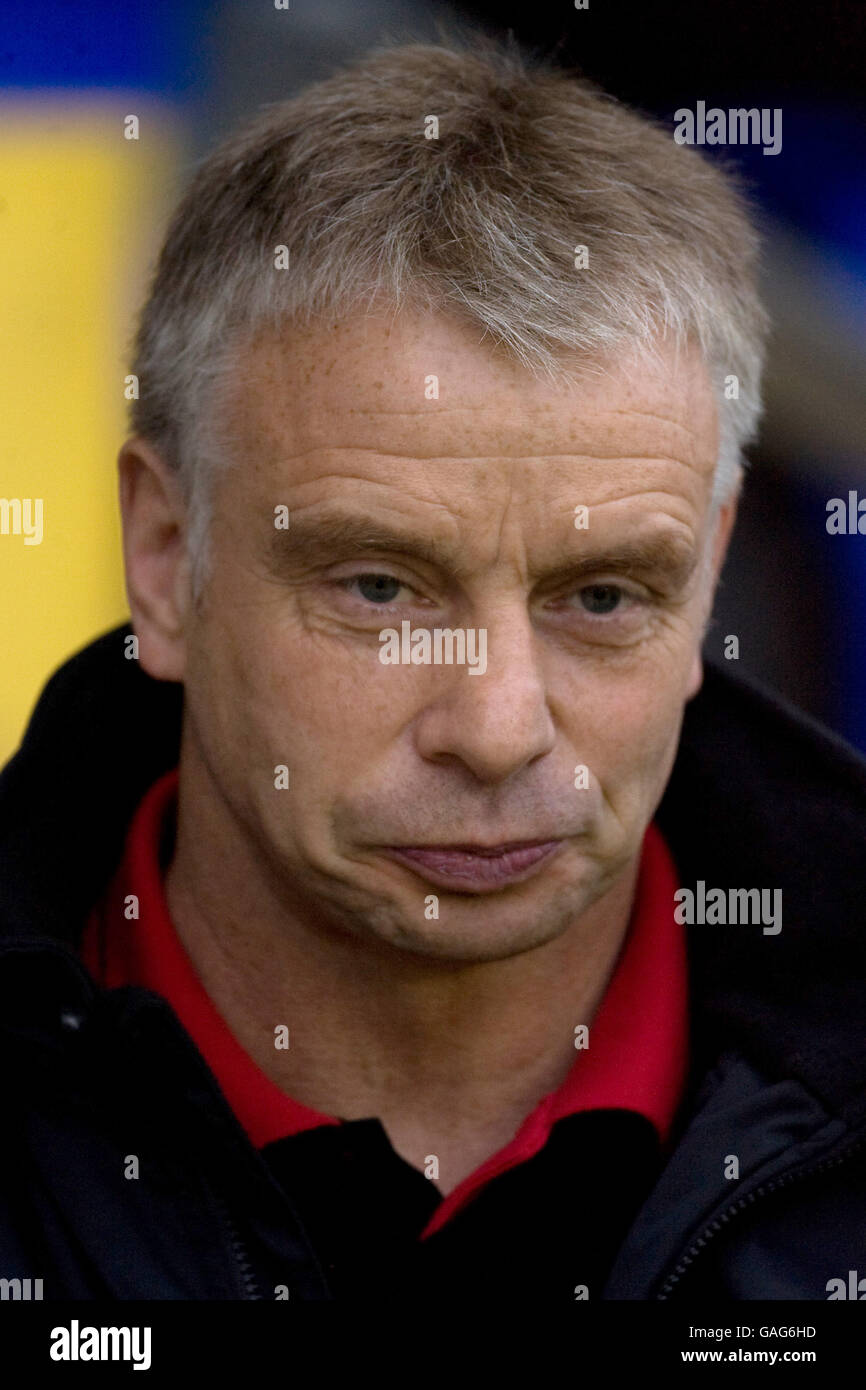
<point x="328" y="708"/>
<point x="224" y="688"/>
<point x="634" y="737"/>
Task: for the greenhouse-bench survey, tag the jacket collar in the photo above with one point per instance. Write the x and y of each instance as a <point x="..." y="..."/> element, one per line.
<point x="760" y="796"/>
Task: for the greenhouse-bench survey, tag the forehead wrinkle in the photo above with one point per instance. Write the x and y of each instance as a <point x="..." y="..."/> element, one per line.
<point x="651" y="489"/>
<point x="492" y="450"/>
<point x="435" y="409"/>
<point x="520" y="558"/>
<point x="388" y="493"/>
<point x="662" y="419"/>
<point x="491" y="460"/>
<point x="534" y="434"/>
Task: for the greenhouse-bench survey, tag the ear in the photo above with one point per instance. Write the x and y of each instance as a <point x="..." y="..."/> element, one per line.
<point x="727" y="515"/>
<point x="155" y="557"/>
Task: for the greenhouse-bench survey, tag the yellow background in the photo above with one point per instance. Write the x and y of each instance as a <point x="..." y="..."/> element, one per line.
<point x="80" y="210"/>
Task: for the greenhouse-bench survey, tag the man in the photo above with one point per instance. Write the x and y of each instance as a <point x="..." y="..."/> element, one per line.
<point x="393" y="911"/>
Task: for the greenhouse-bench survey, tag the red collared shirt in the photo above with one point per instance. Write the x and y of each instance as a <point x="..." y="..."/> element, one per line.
<point x="636" y="1059"/>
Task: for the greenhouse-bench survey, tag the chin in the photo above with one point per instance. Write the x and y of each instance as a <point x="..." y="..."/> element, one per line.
<point x="484" y="934"/>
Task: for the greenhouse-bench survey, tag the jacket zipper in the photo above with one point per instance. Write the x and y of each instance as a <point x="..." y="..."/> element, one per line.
<point x="243" y="1263"/>
<point x="722" y="1220"/>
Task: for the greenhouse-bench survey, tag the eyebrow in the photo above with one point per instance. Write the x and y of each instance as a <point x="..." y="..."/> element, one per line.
<point x="328" y="538"/>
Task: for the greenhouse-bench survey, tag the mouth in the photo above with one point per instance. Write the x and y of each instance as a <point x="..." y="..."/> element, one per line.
<point x="476" y="868"/>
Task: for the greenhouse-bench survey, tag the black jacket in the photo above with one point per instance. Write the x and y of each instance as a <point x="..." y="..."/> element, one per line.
<point x="759" y="797"/>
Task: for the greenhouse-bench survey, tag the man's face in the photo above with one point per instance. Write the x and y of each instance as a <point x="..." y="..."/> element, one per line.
<point x="450" y="513"/>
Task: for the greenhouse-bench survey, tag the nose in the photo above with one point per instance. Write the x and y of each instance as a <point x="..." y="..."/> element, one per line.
<point x="495" y="722"/>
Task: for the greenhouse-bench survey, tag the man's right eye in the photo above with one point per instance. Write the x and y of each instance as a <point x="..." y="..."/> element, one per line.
<point x="375" y="588"/>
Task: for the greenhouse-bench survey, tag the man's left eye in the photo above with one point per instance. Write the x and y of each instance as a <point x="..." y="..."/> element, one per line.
<point x="601" y="598"/>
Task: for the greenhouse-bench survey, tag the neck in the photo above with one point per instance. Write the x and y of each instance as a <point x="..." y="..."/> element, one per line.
<point x="451" y="1058"/>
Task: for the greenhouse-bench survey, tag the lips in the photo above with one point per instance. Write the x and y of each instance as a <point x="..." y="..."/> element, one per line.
<point x="476" y="868"/>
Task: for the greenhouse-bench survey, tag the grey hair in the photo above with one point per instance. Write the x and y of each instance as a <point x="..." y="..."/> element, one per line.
<point x="482" y="222"/>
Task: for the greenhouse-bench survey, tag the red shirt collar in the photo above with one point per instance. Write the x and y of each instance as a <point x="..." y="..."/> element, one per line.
<point x="638" y="1041"/>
